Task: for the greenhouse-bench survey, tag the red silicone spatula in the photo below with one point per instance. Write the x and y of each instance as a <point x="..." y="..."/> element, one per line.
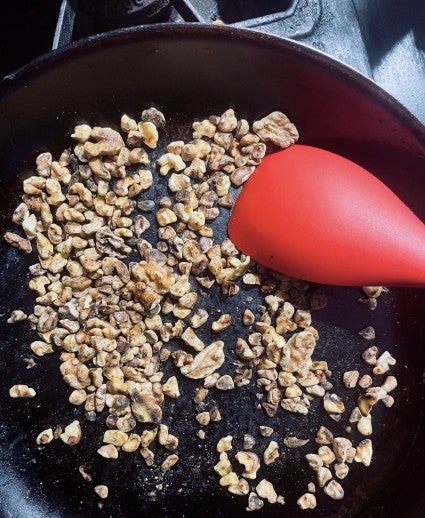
<point x="315" y="215"/>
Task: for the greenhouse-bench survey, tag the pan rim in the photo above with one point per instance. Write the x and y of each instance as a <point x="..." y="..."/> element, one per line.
<point x="19" y="77"/>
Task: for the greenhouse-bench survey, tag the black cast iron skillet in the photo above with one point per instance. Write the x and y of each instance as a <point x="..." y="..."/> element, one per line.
<point x="193" y="71"/>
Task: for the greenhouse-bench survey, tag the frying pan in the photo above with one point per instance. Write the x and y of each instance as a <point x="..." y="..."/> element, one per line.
<point x="192" y="71"/>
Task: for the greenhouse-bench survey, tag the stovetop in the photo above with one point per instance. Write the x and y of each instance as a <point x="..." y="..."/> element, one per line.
<point x="383" y="39"/>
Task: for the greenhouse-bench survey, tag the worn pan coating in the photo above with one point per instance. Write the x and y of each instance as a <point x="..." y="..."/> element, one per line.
<point x="193" y="71"/>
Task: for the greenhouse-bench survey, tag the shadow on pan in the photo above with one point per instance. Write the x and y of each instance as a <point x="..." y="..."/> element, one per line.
<point x="190" y="72"/>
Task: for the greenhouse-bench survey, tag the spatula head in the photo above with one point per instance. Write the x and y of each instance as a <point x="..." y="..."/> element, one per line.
<point x="315" y="215"/>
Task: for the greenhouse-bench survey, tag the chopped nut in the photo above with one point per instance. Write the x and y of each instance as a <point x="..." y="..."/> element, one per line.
<point x="364" y="452"/>
<point x="341" y="447"/>
<point x="323" y="476"/>
<point x="224" y="444"/>
<point x="350" y="378"/>
<point x="334" y="490"/>
<point x="132" y="443"/>
<point x="276" y="128"/>
<point x="45" y="436"/>
<point x="169" y="462"/>
<point x="369" y="355"/>
<point x="225" y="383"/>
<point x="205" y="362"/>
<point x="266" y="431"/>
<point x="241" y="488"/>
<point x="341" y="470"/>
<point x="223" y="467"/>
<point x="230" y="479"/>
<point x="372" y="291"/>
<point x="171" y="387"/>
<point x="314" y="461"/>
<point x="307" y="501"/>
<point x="17" y="315"/>
<point x="84" y="474"/>
<point x="254" y="503"/>
<point x="271" y="453"/>
<point x="266" y="490"/>
<point x="389" y="384"/>
<point x="108" y="451"/>
<point x="21" y="391"/>
<point x="115" y="437"/>
<point x="327" y="455"/>
<point x="368" y="333"/>
<point x="250" y="462"/>
<point x="294" y="442"/>
<point x="248" y="442"/>
<point x="18" y="242"/>
<point x="72" y="434"/>
<point x="324" y="436"/>
<point x="102" y="491"/>
<point x="383" y="363"/>
<point x="365" y="381"/>
<point x="203" y="418"/>
<point x="333" y="404"/>
<point x="364" y="425"/>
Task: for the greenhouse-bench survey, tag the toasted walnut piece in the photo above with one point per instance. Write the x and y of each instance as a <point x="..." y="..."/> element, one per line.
<point x="41" y="348"/>
<point x="102" y="491"/>
<point x="341" y="470"/>
<point x="372" y="291"/>
<point x="230" y="479"/>
<point x="341" y="447"/>
<point x="248" y="442"/>
<point x="307" y="501"/>
<point x="203" y="418"/>
<point x="333" y="404"/>
<point x="81" y="134"/>
<point x="171" y="387"/>
<point x="201" y="434"/>
<point x="276" y="128"/>
<point x="108" y="142"/>
<point x="72" y="434"/>
<point x="248" y="317"/>
<point x="132" y="443"/>
<point x="334" y="490"/>
<point x="84" y="474"/>
<point x="148" y="456"/>
<point x="350" y="378"/>
<point x="364" y="452"/>
<point x="297" y="405"/>
<point x="251" y="463"/>
<point x="323" y="476"/>
<point x="271" y="453"/>
<point x="128" y="124"/>
<point x="169" y="462"/>
<point x="383" y="363"/>
<point x="20" y="213"/>
<point x="324" y="436"/>
<point x="388" y="401"/>
<point x="327" y="455"/>
<point x="266" y="490"/>
<point x="145" y="407"/>
<point x="295" y="442"/>
<point x="364" y="425"/>
<point x="389" y="384"/>
<point x="266" y="431"/>
<point x="223" y="466"/>
<point x="21" y="391"/>
<point x="254" y="503"/>
<point x="190" y="338"/>
<point x="225" y="383"/>
<point x="150" y="134"/>
<point x="198" y="319"/>
<point x="205" y="362"/>
<point x="170" y="161"/>
<point x="223" y="322"/>
<point x="225" y="444"/>
<point x="77" y="397"/>
<point x="108" y="451"/>
<point x="241" y="488"/>
<point x="115" y="437"/>
<point x="241" y="174"/>
<point x="369" y="355"/>
<point x="17" y="315"/>
<point x="153" y="115"/>
<point x="18" y="242"/>
<point x="45" y="436"/>
<point x="368" y="333"/>
<point x="314" y="461"/>
<point x="311" y="487"/>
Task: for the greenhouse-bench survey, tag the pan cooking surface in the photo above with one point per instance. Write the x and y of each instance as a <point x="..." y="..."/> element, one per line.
<point x="47" y="478"/>
<point x="197" y="71"/>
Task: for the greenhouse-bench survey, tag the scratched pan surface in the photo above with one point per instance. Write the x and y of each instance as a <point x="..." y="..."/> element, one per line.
<point x="191" y="72"/>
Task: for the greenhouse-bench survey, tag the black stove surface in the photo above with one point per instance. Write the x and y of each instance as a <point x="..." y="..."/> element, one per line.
<point x="384" y="39"/>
